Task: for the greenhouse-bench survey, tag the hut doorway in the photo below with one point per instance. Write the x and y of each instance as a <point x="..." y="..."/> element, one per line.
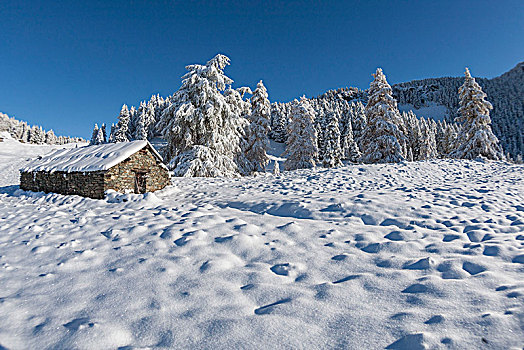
<point x="140" y="182"/>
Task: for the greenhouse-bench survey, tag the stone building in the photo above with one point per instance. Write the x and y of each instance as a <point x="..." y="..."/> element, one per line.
<point x="127" y="167"/>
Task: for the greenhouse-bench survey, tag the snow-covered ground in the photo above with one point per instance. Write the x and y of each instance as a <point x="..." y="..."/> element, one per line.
<point x="412" y="256"/>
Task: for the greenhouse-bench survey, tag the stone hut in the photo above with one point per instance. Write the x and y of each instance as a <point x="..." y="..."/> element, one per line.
<point x="127" y="167"/>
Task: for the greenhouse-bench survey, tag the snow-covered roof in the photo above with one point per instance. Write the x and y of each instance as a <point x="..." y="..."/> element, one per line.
<point x="87" y="158"/>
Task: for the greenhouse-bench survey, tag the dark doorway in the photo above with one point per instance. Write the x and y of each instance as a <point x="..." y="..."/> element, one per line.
<point x="140" y="182"/>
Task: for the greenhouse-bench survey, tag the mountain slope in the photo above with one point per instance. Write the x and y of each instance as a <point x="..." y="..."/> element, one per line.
<point x="505" y="92"/>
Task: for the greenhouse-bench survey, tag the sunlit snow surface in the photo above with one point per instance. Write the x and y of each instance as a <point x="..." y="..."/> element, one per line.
<point x="411" y="256"/>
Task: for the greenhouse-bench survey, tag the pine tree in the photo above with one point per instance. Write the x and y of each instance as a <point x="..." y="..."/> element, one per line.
<point x="279" y="122"/>
<point x="302" y="149"/>
<point x="332" y="151"/>
<point x="276" y="168"/>
<point x="143" y="122"/>
<point x="427" y="143"/>
<point x="24" y="134"/>
<point x="413" y="135"/>
<point x="242" y="110"/>
<point x="99" y="140"/>
<point x="200" y="126"/>
<point x="320" y="127"/>
<point x="133" y="123"/>
<point x="50" y="138"/>
<point x="37" y="135"/>
<point x="111" y="138"/>
<point x="349" y="147"/>
<point x="122" y="127"/>
<point x="358" y="121"/>
<point x="103" y="133"/>
<point x="476" y="138"/>
<point x="258" y="142"/>
<point x="94" y="136"/>
<point x="382" y="141"/>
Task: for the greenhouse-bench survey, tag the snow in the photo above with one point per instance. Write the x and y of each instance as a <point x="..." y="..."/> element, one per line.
<point x="15" y="155"/>
<point x="415" y="255"/>
<point x="88" y="158"/>
<point x="431" y="110"/>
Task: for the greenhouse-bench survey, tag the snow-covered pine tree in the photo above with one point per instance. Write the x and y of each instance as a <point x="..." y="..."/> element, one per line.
<point x="145" y="118"/>
<point x="321" y="115"/>
<point x="240" y="109"/>
<point x="332" y="151"/>
<point x="133" y="122"/>
<point x="100" y="136"/>
<point x="103" y="133"/>
<point x="111" y="138"/>
<point x="24" y="132"/>
<point x="349" y="147"/>
<point x="427" y="148"/>
<point x="122" y="127"/>
<point x="276" y="168"/>
<point x="446" y="138"/>
<point x="94" y="136"/>
<point x="201" y="130"/>
<point x="150" y="118"/>
<point x="258" y="142"/>
<point x="50" y="138"/>
<point x="301" y="144"/>
<point x="358" y="121"/>
<point x="279" y="122"/>
<point x="382" y="141"/>
<point x="476" y="138"/>
<point x="413" y="135"/>
<point x="38" y="136"/>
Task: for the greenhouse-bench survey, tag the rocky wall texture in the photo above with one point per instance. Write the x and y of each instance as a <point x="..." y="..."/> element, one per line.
<point x="121" y="178"/>
<point x="88" y="184"/>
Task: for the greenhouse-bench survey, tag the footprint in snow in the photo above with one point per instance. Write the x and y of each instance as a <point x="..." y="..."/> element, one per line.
<point x="416" y="288"/>
<point x="519" y="259"/>
<point x="78" y="323"/>
<point x="435" y="319"/>
<point x="223" y="239"/>
<point x="410" y="341"/>
<point x="267" y="309"/>
<point x="281" y="269"/>
<point x="340" y="257"/>
<point x="473" y="268"/>
<point x="347" y="278"/>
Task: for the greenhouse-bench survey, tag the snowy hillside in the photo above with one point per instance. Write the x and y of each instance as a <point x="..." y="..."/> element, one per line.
<point x="404" y="256"/>
<point x="21" y="131"/>
<point x="13" y="155"/>
<point x="505" y="92"/>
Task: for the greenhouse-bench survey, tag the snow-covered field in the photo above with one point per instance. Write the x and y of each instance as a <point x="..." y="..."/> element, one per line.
<point x="417" y="255"/>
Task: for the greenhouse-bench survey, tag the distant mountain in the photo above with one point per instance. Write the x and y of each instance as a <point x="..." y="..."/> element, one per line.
<point x="438" y="98"/>
<point x="21" y="131"/>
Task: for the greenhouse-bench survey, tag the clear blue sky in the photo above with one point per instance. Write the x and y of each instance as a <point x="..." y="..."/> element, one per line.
<point x="68" y="64"/>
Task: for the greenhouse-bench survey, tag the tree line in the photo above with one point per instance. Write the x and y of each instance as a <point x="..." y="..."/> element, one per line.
<point x="212" y="129"/>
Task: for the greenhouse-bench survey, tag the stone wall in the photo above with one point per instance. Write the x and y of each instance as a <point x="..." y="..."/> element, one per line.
<point x="88" y="184"/>
<point x="121" y="177"/>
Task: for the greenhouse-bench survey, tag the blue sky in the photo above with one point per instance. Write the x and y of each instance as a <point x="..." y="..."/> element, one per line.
<point x="68" y="64"/>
